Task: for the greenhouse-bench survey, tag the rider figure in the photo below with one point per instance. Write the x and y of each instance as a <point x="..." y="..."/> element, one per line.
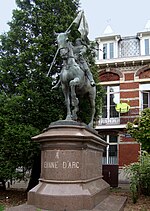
<point x="79" y="50"/>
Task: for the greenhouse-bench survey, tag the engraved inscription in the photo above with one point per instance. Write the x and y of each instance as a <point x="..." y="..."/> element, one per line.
<point x="64" y="165"/>
<point x="51" y="165"/>
<point x="71" y="165"/>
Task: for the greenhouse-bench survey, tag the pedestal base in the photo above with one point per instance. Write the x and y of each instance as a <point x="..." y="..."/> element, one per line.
<point x="71" y="169"/>
<point x="70" y="197"/>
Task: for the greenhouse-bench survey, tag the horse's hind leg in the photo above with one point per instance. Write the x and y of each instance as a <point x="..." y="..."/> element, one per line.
<point x="92" y="97"/>
<point x="65" y="90"/>
<point x="75" y="102"/>
<point x="74" y="99"/>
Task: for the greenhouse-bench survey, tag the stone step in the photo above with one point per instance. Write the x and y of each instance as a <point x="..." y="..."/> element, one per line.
<point x="111" y="203"/>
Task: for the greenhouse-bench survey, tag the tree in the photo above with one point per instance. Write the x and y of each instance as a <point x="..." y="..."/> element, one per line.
<point x="140" y="129"/>
<point x="26" y="53"/>
<point x="27" y="103"/>
<point x="16" y="148"/>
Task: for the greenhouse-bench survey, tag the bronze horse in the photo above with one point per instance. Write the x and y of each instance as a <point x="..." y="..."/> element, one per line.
<point x="73" y="79"/>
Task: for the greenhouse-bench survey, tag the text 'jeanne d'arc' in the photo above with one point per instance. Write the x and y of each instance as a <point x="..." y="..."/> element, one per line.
<point x="64" y="165"/>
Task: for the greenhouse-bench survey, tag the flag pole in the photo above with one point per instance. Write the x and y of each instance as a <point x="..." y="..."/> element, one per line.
<point x="74" y="21"/>
<point x="52" y="62"/>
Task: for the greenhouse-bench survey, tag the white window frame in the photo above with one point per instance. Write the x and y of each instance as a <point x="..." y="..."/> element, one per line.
<point x="110" y="120"/>
<point x="144" y="88"/>
<point x="108" y="52"/>
<point x="110" y="159"/>
<point x="147" y="48"/>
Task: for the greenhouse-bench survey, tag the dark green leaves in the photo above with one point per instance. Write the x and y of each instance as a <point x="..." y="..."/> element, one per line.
<point x="140" y="129"/>
<point x="27" y="102"/>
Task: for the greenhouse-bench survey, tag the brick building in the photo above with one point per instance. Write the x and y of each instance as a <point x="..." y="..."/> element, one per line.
<point x="124" y="72"/>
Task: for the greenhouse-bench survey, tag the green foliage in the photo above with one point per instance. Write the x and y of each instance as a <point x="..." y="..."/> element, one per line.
<point x="2" y="208"/>
<point x="140" y="129"/>
<point x="38" y="209"/>
<point x="139" y="174"/>
<point x="16" y="148"/>
<point x="27" y="103"/>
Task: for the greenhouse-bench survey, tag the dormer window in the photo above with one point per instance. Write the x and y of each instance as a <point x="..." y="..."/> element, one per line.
<point x="104" y="51"/>
<point x="108" y="50"/>
<point x="146" y="46"/>
<point x="111" y="50"/>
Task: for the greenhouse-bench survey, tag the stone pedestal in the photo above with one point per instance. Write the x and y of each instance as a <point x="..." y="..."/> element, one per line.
<point x="71" y="168"/>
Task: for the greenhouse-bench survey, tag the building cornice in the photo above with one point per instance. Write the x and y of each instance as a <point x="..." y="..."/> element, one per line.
<point x="105" y="127"/>
<point x="118" y="62"/>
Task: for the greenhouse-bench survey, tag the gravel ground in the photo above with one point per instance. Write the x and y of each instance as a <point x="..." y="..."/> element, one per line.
<point x="14" y="197"/>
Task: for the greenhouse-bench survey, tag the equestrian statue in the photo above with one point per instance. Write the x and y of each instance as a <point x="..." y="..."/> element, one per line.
<point x="75" y="76"/>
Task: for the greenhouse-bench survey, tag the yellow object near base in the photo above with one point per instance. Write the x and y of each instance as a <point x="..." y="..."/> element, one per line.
<point x="122" y="107"/>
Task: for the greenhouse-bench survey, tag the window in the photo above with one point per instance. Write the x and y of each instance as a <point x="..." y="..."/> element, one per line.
<point x="112" y="97"/>
<point x="111" y="50"/>
<point x="145" y="99"/>
<point x="97" y="51"/>
<point x="110" y="154"/>
<point x="105" y="51"/>
<point x="108" y="51"/>
<point x="146" y="46"/>
<point x="145" y="96"/>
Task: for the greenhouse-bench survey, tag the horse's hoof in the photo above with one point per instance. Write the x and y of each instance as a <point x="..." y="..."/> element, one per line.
<point x="75" y="102"/>
<point x="69" y="118"/>
<point x="92" y="83"/>
<point x="74" y="117"/>
<point x="90" y="125"/>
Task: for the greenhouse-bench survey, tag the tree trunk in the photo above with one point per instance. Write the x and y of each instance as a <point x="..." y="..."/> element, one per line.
<point x="35" y="173"/>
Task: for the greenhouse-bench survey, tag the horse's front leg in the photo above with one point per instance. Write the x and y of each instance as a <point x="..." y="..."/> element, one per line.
<point x="65" y="90"/>
<point x="92" y="97"/>
<point x="74" y="99"/>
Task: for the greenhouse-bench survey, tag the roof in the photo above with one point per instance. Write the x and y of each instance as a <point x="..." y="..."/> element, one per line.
<point x="147" y="26"/>
<point x="108" y="30"/>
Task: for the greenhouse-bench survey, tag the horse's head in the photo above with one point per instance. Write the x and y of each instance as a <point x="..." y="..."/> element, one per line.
<point x="62" y="39"/>
<point x="63" y="44"/>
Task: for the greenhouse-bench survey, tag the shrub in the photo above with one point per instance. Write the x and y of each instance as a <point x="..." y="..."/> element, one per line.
<point x="2" y="207"/>
<point x="139" y="174"/>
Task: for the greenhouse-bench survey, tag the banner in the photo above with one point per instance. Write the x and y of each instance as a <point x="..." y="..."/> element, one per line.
<point x="82" y="24"/>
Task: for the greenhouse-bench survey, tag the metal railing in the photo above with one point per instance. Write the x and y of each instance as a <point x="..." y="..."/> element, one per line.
<point x="122" y="119"/>
<point x="110" y="160"/>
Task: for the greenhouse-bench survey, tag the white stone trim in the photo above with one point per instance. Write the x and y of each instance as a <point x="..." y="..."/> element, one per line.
<point x="110" y="126"/>
<point x="129" y="90"/>
<point x="142" y="80"/>
<point x="136" y="98"/>
<point x="129" y="81"/>
<point x="109" y="82"/>
<point x="128" y="142"/>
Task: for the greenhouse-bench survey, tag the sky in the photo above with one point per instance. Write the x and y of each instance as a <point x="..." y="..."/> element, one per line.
<point x="6" y="7"/>
<point x="126" y="18"/>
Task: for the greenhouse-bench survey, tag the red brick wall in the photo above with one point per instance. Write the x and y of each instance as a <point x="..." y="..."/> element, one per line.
<point x="129" y="116"/>
<point x="129" y="94"/>
<point x="108" y="77"/>
<point x="129" y="85"/>
<point x="125" y="139"/>
<point x="128" y="153"/>
<point x="133" y="103"/>
<point x="145" y="74"/>
<point x="129" y="76"/>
